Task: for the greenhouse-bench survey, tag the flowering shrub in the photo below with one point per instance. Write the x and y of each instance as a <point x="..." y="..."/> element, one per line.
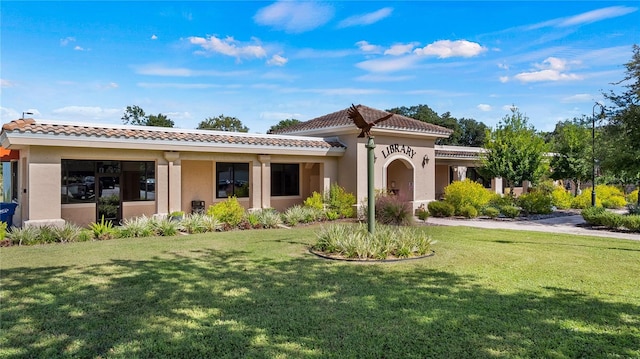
<point x="467" y="192"/>
<point x="229" y="211"/>
<point x="561" y="198"/>
<point x="611" y="196"/>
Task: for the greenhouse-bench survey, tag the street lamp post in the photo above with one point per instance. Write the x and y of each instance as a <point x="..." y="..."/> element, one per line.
<point x="593" y="150"/>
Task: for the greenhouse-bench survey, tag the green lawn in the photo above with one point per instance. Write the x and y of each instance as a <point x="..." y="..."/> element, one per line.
<point x="261" y="294"/>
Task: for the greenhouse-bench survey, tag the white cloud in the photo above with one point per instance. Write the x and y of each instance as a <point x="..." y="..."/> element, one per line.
<point x="504" y="79"/>
<point x="551" y="69"/>
<point x="367" y="47"/>
<point x="509" y="108"/>
<point x="294" y="17"/>
<point x="277" y="60"/>
<point x="484" y="107"/>
<point x="366" y="19"/>
<point x="447" y="48"/>
<point x="154" y="37"/>
<point x="382" y="78"/>
<point x="88" y="112"/>
<point x="160" y="70"/>
<point x="109" y="86"/>
<point x="503" y="66"/>
<point x="400" y="49"/>
<point x="181" y="86"/>
<point x="67" y="40"/>
<point x="6" y="83"/>
<point x="581" y="97"/>
<point x="278" y="116"/>
<point x="388" y="65"/>
<point x="228" y="46"/>
<point x="78" y="48"/>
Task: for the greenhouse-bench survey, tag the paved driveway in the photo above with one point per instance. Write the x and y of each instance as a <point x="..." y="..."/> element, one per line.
<point x="566" y="224"/>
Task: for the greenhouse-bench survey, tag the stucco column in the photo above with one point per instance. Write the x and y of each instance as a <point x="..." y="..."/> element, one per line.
<point x="262" y="181"/>
<point x="175" y="181"/>
<point x="460" y="173"/>
<point x="496" y="185"/>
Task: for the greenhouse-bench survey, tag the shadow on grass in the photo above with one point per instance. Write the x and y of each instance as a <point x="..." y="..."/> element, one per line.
<point x="547" y="244"/>
<point x="208" y="303"/>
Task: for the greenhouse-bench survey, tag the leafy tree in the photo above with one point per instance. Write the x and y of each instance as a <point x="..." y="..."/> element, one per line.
<point x="622" y="130"/>
<point x="571" y="145"/>
<point x="135" y="115"/>
<point x="159" y="121"/>
<point x="223" y="123"/>
<point x="472" y="132"/>
<point x="283" y="124"/>
<point x="466" y="132"/>
<point x="514" y="151"/>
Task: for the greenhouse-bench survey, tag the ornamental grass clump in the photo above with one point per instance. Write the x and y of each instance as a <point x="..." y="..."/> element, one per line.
<point x="391" y="209"/>
<point x="388" y="242"/>
<point x="137" y="227"/>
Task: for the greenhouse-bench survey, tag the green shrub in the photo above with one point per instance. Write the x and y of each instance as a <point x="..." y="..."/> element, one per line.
<point x="611" y="220"/>
<point x="422" y="213"/>
<point x="535" y="202"/>
<point x="546" y="187"/>
<point x="24" y="236"/>
<point x="341" y="202"/>
<point x="592" y="215"/>
<point x="469" y="211"/>
<point x="315" y="201"/>
<point x="491" y="212"/>
<point x="137" y="227"/>
<point x="561" y="198"/>
<point x="102" y="230"/>
<point x="391" y="209"/>
<point x="611" y="196"/>
<point x="268" y="217"/>
<point x="510" y="211"/>
<point x="633" y="197"/>
<point x="229" y="211"/>
<point x="498" y="200"/>
<point x="335" y="200"/>
<point x="441" y="209"/>
<point x="467" y="192"/>
<point x="69" y="232"/>
<point x="583" y="200"/>
<point x="631" y="222"/>
<point x="3" y="230"/>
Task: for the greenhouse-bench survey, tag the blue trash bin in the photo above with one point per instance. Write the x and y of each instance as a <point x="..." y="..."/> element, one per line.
<point x="7" y="210"/>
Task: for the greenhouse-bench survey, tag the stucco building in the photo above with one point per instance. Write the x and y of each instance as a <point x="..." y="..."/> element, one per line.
<point x="59" y="171"/>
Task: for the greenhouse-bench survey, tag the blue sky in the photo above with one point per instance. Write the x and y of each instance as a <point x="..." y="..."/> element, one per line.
<point x="263" y="62"/>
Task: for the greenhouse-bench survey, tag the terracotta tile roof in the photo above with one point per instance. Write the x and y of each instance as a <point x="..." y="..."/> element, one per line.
<point x="340" y="119"/>
<point x="456" y="152"/>
<point x="54" y="129"/>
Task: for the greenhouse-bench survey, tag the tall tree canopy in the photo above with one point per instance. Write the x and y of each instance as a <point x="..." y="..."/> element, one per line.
<point x="466" y="132"/>
<point x="620" y="145"/>
<point x="283" y="124"/>
<point x="514" y="151"/>
<point x="135" y="115"/>
<point x="572" y="151"/>
<point x="223" y="123"/>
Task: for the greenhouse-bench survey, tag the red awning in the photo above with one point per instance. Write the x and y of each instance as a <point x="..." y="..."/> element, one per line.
<point x="8" y="155"/>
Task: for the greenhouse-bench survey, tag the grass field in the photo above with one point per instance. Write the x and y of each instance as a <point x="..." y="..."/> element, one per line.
<point x="261" y="294"/>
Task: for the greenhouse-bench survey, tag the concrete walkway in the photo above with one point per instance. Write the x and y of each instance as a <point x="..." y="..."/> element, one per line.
<point x="567" y="225"/>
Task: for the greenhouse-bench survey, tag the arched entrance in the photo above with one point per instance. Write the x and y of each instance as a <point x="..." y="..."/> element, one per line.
<point x="399" y="178"/>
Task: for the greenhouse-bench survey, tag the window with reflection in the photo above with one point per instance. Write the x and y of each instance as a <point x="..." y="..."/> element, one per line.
<point x="88" y="181"/>
<point x="232" y="179"/>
